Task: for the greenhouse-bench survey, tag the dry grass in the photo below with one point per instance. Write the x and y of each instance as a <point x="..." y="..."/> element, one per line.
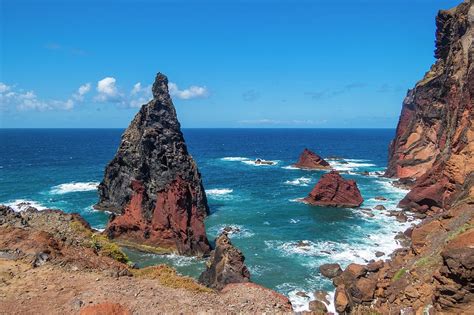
<point x="168" y="277"/>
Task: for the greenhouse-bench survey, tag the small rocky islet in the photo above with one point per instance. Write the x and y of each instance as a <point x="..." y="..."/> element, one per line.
<point x="154" y="190"/>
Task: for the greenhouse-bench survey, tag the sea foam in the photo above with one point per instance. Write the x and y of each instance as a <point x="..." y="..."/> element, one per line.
<point x="74" y="187"/>
<point x="22" y="204"/>
<point x="302" y="181"/>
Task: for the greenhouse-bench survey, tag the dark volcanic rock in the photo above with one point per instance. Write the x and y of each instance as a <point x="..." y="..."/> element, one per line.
<point x="333" y="190"/>
<point x="153" y="184"/>
<point x="226" y="265"/>
<point x="434" y="141"/>
<point x="310" y="160"/>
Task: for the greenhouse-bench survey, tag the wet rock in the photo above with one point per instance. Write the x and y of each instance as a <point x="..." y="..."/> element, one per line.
<point x="318" y="307"/>
<point x="380" y="207"/>
<point x="379" y="254"/>
<point x="302" y="294"/>
<point x="226" y="265"/>
<point x="310" y="160"/>
<point x="330" y="270"/>
<point x="380" y="198"/>
<point x="332" y="190"/>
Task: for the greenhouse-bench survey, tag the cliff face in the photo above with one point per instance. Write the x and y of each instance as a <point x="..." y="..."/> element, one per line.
<point x="434" y="141"/>
<point x="153" y="184"/>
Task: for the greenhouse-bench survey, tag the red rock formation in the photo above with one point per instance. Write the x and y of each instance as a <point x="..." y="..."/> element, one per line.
<point x="153" y="184"/>
<point x="226" y="265"/>
<point x="310" y="160"/>
<point x="434" y="141"/>
<point x="332" y="190"/>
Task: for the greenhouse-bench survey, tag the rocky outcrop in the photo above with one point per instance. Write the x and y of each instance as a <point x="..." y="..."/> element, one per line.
<point x="330" y="270"/>
<point x="310" y="160"/>
<point x="52" y="262"/>
<point x="153" y="185"/>
<point x="332" y="190"/>
<point x="434" y="141"/>
<point x="225" y="266"/>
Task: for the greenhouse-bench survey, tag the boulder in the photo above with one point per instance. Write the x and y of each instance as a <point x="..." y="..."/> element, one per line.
<point x="225" y="265"/>
<point x="380" y="207"/>
<point x="153" y="184"/>
<point x="332" y="190"/>
<point x="310" y="160"/>
<point x="318" y="307"/>
<point x="330" y="270"/>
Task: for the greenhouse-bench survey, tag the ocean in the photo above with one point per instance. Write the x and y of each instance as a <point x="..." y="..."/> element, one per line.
<point x="284" y="241"/>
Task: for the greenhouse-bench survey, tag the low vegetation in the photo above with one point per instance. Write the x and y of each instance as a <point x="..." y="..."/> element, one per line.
<point x="168" y="276"/>
<point x="99" y="243"/>
<point x="399" y="274"/>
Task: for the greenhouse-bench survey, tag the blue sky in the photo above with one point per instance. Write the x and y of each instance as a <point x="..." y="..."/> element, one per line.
<point x="308" y="64"/>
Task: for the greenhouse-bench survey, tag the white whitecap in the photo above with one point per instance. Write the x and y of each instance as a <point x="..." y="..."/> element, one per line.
<point x="219" y="191"/>
<point x="235" y="158"/>
<point x="302" y="181"/>
<point x="233" y="230"/>
<point x="74" y="187"/>
<point x="290" y="167"/>
<point x="22" y="204"/>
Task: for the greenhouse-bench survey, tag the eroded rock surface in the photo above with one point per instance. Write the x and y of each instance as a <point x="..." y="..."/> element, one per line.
<point x="332" y="190"/>
<point x="225" y="266"/>
<point x="310" y="160"/>
<point x="434" y="141"/>
<point x="153" y="185"/>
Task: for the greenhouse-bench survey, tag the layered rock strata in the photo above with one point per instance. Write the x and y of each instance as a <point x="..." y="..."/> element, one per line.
<point x="153" y="184"/>
<point x="310" y="160"/>
<point x="332" y="190"/>
<point x="434" y="141"/>
<point x="225" y="266"/>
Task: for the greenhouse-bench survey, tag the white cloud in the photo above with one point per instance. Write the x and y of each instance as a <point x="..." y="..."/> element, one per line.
<point x="139" y="95"/>
<point x="107" y="91"/>
<point x="81" y="91"/>
<point x="13" y="98"/>
<point x="192" y="92"/>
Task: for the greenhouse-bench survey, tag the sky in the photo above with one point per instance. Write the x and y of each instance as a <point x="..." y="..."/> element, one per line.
<point x="242" y="64"/>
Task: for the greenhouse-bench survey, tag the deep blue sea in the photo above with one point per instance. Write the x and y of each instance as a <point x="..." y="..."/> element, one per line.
<point x="60" y="168"/>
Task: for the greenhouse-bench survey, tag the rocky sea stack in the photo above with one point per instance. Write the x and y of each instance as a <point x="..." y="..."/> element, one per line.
<point x="332" y="190"/>
<point x="434" y="142"/>
<point x="225" y="266"/>
<point x="310" y="160"/>
<point x="153" y="185"/>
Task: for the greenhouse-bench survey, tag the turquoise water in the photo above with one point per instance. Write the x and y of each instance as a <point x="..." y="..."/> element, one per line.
<point x="60" y="169"/>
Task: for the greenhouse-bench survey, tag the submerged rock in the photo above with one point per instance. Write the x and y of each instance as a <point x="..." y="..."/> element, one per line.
<point x="153" y="185"/>
<point x="310" y="160"/>
<point x="226" y="265"/>
<point x="332" y="190"/>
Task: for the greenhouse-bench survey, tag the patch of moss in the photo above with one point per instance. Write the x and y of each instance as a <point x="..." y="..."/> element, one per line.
<point x="427" y="261"/>
<point x="400" y="273"/>
<point x="168" y="276"/>
<point x="79" y="228"/>
<point x="108" y="248"/>
<point x="463" y="228"/>
<point x="146" y="248"/>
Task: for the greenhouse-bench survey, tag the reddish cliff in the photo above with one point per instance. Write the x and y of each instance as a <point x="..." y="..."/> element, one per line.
<point x="332" y="190"/>
<point x="153" y="184"/>
<point x="434" y="141"/>
<point x="310" y="160"/>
